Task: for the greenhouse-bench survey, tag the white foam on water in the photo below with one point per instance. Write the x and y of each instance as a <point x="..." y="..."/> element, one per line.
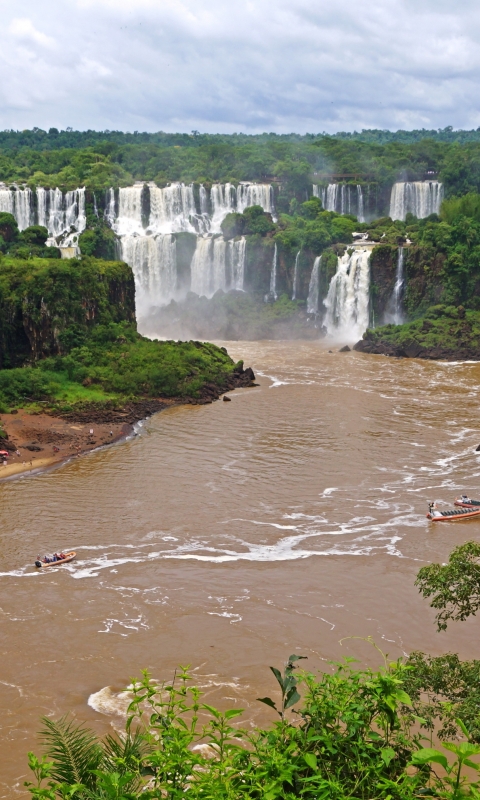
<point x="110" y="702"/>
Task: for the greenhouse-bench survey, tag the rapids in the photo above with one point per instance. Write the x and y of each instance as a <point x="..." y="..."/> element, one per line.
<point x="231" y="535"/>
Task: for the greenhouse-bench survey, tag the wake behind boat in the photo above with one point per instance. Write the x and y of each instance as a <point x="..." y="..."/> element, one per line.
<point x="55" y="562"/>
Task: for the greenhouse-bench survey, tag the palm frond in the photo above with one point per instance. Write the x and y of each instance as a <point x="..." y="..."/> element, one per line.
<point x="126" y="753"/>
<point x="74" y="750"/>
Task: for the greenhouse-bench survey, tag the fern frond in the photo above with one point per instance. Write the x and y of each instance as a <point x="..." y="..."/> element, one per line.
<point x="74" y="750"/>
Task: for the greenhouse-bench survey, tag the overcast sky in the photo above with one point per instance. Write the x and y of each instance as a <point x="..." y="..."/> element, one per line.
<point x="239" y="65"/>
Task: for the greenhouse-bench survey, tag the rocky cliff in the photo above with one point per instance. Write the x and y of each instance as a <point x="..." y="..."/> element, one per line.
<point x="48" y="306"/>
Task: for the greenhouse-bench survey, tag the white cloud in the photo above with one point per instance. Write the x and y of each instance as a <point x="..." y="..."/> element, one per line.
<point x="23" y="28"/>
<point x="304" y="65"/>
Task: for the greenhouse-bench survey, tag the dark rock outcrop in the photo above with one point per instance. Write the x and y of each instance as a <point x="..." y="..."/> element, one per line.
<point x="415" y="350"/>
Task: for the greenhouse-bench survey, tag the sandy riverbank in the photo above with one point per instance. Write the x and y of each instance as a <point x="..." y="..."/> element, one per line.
<point x="38" y="440"/>
<point x="41" y="440"/>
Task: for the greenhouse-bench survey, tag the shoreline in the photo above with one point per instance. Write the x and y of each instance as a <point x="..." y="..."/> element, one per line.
<point x="38" y="440"/>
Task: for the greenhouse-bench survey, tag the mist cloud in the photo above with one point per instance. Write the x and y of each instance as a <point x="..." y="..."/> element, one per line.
<point x="302" y="65"/>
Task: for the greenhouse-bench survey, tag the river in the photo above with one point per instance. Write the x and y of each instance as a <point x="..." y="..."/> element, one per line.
<point x="230" y="535"/>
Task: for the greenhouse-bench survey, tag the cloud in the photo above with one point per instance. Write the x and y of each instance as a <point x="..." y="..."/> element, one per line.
<point x="24" y="29"/>
<point x="245" y="65"/>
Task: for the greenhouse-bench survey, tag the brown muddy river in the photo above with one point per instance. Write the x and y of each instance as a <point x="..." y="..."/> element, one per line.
<point x="229" y="536"/>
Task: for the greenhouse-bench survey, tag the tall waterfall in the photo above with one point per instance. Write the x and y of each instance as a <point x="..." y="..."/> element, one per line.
<point x="420" y="198"/>
<point x="343" y="198"/>
<point x="394" y="311"/>
<point x="172" y="209"/>
<point x="56" y="211"/>
<point x="347" y="301"/>
<point x="237" y="251"/>
<point x="295" y="276"/>
<point x="154" y="264"/>
<point x="314" y="287"/>
<point x="146" y="218"/>
<point x="217" y="264"/>
<point x="129" y="218"/>
<point x="18" y="202"/>
<point x="272" y="295"/>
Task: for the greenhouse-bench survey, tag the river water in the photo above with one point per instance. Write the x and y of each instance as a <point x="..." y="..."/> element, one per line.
<point x="231" y="535"/>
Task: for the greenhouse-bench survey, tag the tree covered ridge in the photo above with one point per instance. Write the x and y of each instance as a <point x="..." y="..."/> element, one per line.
<point x="72" y="159"/>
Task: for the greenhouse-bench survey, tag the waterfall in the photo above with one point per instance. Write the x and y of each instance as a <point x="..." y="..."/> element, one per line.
<point x="394" y="310"/>
<point x="255" y="194"/>
<point x="75" y="210"/>
<point x="295" y="276"/>
<point x="18" y="202"/>
<point x="129" y="218"/>
<point x="23" y="210"/>
<point x="360" y="204"/>
<point x="172" y="208"/>
<point x="314" y="287"/>
<point x="60" y="213"/>
<point x="347" y="301"/>
<point x="343" y="198"/>
<point x="110" y="208"/>
<point x="95" y="207"/>
<point x="237" y="254"/>
<point x="420" y="198"/>
<point x="223" y="197"/>
<point x="154" y="264"/>
<point x="6" y="200"/>
<point x="331" y="197"/>
<point x="272" y="295"/>
<point x="203" y="201"/>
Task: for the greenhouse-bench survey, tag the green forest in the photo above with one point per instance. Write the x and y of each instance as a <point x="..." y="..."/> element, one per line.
<point x="98" y="160"/>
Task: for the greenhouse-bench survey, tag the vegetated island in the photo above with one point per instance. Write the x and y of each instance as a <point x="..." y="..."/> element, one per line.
<point x="74" y="372"/>
<point x="450" y="333"/>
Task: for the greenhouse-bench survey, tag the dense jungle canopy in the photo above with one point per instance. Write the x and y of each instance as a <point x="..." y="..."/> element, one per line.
<point x="105" y="158"/>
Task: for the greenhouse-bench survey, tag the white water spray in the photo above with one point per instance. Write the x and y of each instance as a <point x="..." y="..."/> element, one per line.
<point x="314" y="287"/>
<point x="420" y="198"/>
<point x="347" y="302"/>
<point x="394" y="312"/>
<point x="295" y="276"/>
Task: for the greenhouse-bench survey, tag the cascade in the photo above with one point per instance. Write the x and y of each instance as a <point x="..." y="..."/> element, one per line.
<point x="255" y="194"/>
<point x="360" y="204"/>
<point x="314" y="287"/>
<point x="273" y="276"/>
<point x="217" y="264"/>
<point x="95" y="207"/>
<point x="172" y="208"/>
<point x="203" y="201"/>
<point x="60" y="213"/>
<point x="394" y="310"/>
<point x="154" y="264"/>
<point x="18" y="202"/>
<point x="295" y="276"/>
<point x="420" y="198"/>
<point x="237" y="261"/>
<point x="343" y="198"/>
<point x="223" y="197"/>
<point x="347" y="302"/>
<point x="129" y="218"/>
<point x="110" y="207"/>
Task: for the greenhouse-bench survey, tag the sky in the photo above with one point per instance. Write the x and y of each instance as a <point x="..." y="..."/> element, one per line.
<point x="224" y="66"/>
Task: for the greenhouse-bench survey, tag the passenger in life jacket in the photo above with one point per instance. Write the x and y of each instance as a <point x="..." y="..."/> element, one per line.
<point x="433" y="511"/>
